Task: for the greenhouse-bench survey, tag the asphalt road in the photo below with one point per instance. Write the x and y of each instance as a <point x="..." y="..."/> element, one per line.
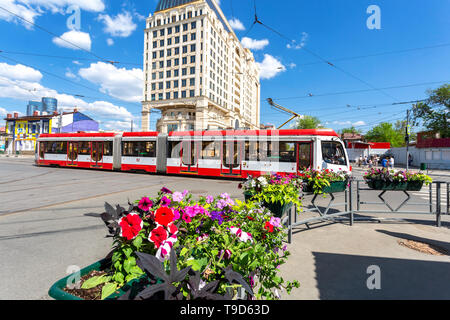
<point x="45" y="227"/>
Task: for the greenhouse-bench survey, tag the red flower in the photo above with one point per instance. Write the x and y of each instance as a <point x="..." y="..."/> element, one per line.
<point x="130" y="226"/>
<point x="250" y="218"/>
<point x="158" y="236"/>
<point x="172" y="228"/>
<point x="268" y="227"/>
<point x="164" y="216"/>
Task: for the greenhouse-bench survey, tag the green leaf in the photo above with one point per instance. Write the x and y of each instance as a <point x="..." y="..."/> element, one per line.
<point x="183" y="252"/>
<point x="108" y="289"/>
<point x="128" y="252"/>
<point x="129" y="263"/>
<point x="95" y="281"/>
<point x="137" y="242"/>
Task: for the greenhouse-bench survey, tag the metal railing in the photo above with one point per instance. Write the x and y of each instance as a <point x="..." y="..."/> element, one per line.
<point x="433" y="206"/>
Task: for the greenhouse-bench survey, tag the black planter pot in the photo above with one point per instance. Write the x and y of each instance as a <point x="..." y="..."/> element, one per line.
<point x="395" y="185"/>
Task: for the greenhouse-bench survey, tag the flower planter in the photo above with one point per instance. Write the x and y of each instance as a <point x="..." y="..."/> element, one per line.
<point x="57" y="290"/>
<point x="395" y="185"/>
<point x="335" y="187"/>
<point x="276" y="208"/>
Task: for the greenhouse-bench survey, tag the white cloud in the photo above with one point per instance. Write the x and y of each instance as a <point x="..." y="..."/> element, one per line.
<point x="292" y="65"/>
<point x="31" y="9"/>
<point x="19" y="72"/>
<point x="236" y="24"/>
<point x="349" y="123"/>
<point x="70" y="74"/>
<point x="110" y="41"/>
<point x="74" y="40"/>
<point x="121" y="25"/>
<point x="14" y="87"/>
<point x="296" y="45"/>
<point x="121" y="83"/>
<point x="270" y="67"/>
<point x="253" y="44"/>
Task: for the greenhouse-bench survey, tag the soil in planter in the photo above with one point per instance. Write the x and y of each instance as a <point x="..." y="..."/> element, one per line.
<point x="423" y="247"/>
<point x="88" y="294"/>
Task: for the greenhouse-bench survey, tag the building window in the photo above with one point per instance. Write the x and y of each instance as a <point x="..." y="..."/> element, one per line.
<point x="193" y="36"/>
<point x="168" y="74"/>
<point x="183" y="94"/>
<point x="167" y="84"/>
<point x="192" y="47"/>
<point x="168" y="96"/>
<point x="177" y="40"/>
<point x="176" y="73"/>
<point x="169" y="63"/>
<point x="185" y="27"/>
<point x="192" y="59"/>
<point x="161" y="54"/>
<point x="161" y="32"/>
<point x="160" y="96"/>
<point x="185" y="49"/>
<point x="185" y="38"/>
<point x="169" y="30"/>
<point x="194" y="25"/>
<point x="175" y="95"/>
<point x="192" y="93"/>
<point x="169" y="52"/>
<point x="192" y="82"/>
<point x="184" y="60"/>
<point x="184" y="71"/>
<point x="177" y="29"/>
<point x="177" y="51"/>
<point x="183" y="83"/>
<point x="176" y="62"/>
<point x="192" y="70"/>
<point x="175" y="84"/>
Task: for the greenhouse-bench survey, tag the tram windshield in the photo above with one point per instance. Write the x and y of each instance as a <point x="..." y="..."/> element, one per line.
<point x="333" y="153"/>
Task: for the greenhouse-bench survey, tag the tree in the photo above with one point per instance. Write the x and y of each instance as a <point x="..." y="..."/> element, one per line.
<point x="386" y="132"/>
<point x="308" y="122"/>
<point x="434" y="112"/>
<point x="351" y="130"/>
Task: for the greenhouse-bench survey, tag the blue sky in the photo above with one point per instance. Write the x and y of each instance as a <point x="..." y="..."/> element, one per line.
<point x="415" y="33"/>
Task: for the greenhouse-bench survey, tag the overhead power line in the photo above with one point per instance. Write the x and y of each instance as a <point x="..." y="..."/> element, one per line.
<point x="64" y="57"/>
<point x="311" y="95"/>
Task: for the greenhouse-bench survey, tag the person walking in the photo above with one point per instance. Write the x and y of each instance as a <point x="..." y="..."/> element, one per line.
<point x="391" y="162"/>
<point x="384" y="163"/>
<point x="410" y="160"/>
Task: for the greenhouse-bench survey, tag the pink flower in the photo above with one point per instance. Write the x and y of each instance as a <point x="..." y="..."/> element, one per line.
<point x="209" y="199"/>
<point x="176" y="215"/>
<point x="130" y="226"/>
<point x="226" y="254"/>
<point x="186" y="218"/>
<point x="145" y="204"/>
<point x="164" y="250"/>
<point x="276" y="222"/>
<point x="165" y="201"/>
<point x="177" y="197"/>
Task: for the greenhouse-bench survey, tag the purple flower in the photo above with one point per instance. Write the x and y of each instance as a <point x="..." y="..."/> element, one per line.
<point x="276" y="222"/>
<point x="176" y="215"/>
<point x="165" y="190"/>
<point x="165" y="201"/>
<point x="209" y="199"/>
<point x="217" y="215"/>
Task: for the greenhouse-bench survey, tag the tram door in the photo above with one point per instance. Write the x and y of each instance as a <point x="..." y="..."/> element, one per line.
<point x="72" y="153"/>
<point x="97" y="154"/>
<point x="189" y="158"/>
<point x="304" y="155"/>
<point x="231" y="158"/>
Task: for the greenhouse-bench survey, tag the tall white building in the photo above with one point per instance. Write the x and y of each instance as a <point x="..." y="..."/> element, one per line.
<point x="196" y="71"/>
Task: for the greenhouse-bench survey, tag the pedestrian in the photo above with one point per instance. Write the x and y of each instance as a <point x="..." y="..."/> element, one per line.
<point x="410" y="160"/>
<point x="360" y="161"/>
<point x="384" y="162"/>
<point x="370" y="163"/>
<point x="391" y="162"/>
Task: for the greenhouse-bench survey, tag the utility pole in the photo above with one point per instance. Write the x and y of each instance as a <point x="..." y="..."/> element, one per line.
<point x="407" y="135"/>
<point x="131" y="125"/>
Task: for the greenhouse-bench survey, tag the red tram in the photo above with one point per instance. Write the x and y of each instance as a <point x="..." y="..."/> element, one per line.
<point x="203" y="153"/>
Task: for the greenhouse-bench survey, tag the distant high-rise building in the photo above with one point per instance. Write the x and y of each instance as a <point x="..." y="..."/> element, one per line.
<point x="47" y="105"/>
<point x="196" y="71"/>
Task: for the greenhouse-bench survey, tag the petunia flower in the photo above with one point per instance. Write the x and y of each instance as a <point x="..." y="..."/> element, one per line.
<point x="165" y="190"/>
<point x="130" y="226"/>
<point x="145" y="204"/>
<point x="164" y="250"/>
<point x="276" y="222"/>
<point x="209" y="199"/>
<point x="269" y="227"/>
<point x="186" y="218"/>
<point x="164" y="216"/>
<point x="165" y="201"/>
<point x="158" y="236"/>
<point x="177" y="197"/>
<point x="225" y="254"/>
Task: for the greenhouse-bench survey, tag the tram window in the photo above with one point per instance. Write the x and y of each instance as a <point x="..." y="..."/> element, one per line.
<point x="57" y="147"/>
<point x="145" y="149"/>
<point x="304" y="156"/>
<point x="174" y="149"/>
<point x="287" y="152"/>
<point x="84" y="148"/>
<point x="210" y="150"/>
<point x="107" y="148"/>
<point x="251" y="150"/>
<point x="333" y="153"/>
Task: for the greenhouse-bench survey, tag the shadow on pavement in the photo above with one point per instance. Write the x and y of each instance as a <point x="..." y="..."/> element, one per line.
<point x="341" y="276"/>
<point x="406" y="236"/>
